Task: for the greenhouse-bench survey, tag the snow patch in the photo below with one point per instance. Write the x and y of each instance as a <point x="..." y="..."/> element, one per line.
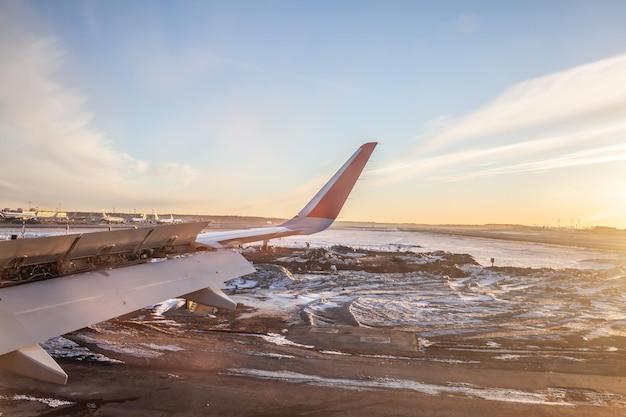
<point x="169" y="348"/>
<point x="241" y="284"/>
<point x="121" y="348"/>
<point x="507" y="357"/>
<point x="50" y="402"/>
<point x="425" y="359"/>
<point x="62" y="348"/>
<point x="281" y="340"/>
<point x="273" y="355"/>
<point x="423" y="343"/>
<point x="546" y="397"/>
<point x="334" y="352"/>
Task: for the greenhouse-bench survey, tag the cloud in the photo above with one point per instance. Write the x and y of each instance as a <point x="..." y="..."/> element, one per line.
<point x="542" y="124"/>
<point x="49" y="144"/>
<point x="467" y="23"/>
<point x="605" y="154"/>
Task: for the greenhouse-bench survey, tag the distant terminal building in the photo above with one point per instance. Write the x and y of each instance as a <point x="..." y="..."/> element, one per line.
<point x="32" y="215"/>
<point x="51" y="215"/>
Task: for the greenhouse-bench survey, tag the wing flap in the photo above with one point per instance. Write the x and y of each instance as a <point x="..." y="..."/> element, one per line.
<point x="53" y="249"/>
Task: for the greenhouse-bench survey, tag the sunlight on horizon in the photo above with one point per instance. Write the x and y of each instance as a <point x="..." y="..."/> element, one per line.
<point x="213" y="120"/>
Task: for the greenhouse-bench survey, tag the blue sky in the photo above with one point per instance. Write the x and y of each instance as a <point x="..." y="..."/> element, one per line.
<point x="250" y="101"/>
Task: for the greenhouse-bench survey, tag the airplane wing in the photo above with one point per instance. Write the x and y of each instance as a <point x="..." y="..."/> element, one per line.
<point x="53" y="285"/>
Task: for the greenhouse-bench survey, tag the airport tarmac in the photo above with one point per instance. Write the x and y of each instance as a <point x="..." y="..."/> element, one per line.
<point x="393" y="331"/>
<point x="171" y="369"/>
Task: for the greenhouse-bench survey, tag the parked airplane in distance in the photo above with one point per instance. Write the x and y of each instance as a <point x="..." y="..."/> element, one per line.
<point x="111" y="219"/>
<point x="142" y="219"/>
<point x="166" y="220"/>
<point x="19" y="214"/>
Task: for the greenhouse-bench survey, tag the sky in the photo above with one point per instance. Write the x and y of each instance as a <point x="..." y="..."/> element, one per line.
<point x="485" y="111"/>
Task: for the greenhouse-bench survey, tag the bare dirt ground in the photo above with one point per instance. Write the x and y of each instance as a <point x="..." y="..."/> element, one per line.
<point x="192" y="370"/>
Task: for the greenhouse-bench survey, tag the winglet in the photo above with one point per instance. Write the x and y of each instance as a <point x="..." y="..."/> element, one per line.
<point x="323" y="209"/>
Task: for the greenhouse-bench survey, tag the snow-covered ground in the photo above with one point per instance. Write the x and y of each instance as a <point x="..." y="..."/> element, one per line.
<point x="521" y="303"/>
<point x="62" y="348"/>
<point x="506" y="253"/>
<point x="586" y="300"/>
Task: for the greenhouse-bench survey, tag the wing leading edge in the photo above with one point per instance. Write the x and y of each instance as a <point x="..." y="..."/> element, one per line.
<point x="32" y="312"/>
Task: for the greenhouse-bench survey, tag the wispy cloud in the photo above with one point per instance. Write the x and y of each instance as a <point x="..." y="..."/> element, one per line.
<point x="550" y="122"/>
<point x="605" y="154"/>
<point x="467" y="23"/>
<point x="51" y="151"/>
